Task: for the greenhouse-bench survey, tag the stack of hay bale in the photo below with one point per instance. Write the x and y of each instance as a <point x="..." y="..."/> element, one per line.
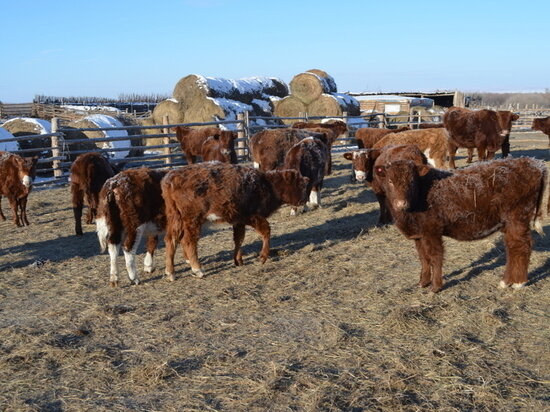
<point x="314" y="92"/>
<point x="28" y="126"/>
<point x="199" y="99"/>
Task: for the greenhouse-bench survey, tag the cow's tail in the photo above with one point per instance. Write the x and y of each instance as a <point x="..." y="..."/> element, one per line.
<point x="539" y="210"/>
<point x="109" y="223"/>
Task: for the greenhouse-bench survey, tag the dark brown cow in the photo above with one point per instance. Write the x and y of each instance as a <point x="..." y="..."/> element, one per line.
<point x="363" y="164"/>
<point x="543" y="125"/>
<point x="505" y="119"/>
<point x="219" y="147"/>
<point x="367" y="136"/>
<point x="334" y="128"/>
<point x="269" y="147"/>
<point x="473" y="129"/>
<point x="309" y="157"/>
<point x="16" y="177"/>
<point x="191" y="140"/>
<point x="469" y="204"/>
<point x="130" y="207"/>
<point x="89" y="172"/>
<point x="221" y="192"/>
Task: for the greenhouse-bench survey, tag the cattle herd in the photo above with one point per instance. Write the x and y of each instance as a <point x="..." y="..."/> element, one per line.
<point x="406" y="169"/>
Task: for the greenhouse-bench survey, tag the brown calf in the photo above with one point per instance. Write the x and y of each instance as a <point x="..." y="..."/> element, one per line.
<point x="543" y="125"/>
<point x="367" y="136"/>
<point x="221" y="192"/>
<point x="89" y="172"/>
<point x="469" y="204"/>
<point x="130" y="207"/>
<point x="334" y="129"/>
<point x="505" y="119"/>
<point x="191" y="140"/>
<point x="219" y="147"/>
<point x="16" y="177"/>
<point x="473" y="129"/>
<point x="309" y="157"/>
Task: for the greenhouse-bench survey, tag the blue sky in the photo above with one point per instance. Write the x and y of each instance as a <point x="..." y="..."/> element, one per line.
<point x="105" y="48"/>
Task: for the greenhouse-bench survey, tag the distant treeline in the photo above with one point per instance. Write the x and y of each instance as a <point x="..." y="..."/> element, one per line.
<point x="126" y="102"/>
<point x="540" y="100"/>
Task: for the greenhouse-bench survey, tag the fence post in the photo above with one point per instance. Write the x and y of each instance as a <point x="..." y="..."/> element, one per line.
<point x="346" y="133"/>
<point x="166" y="141"/>
<point x="241" y="134"/>
<point x="57" y="172"/>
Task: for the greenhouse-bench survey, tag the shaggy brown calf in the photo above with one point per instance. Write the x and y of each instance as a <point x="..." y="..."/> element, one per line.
<point x="469" y="204"/>
<point x="191" y="140"/>
<point x="219" y="147"/>
<point x="130" y="206"/>
<point x="505" y="119"/>
<point x="89" y="172"/>
<point x="363" y="164"/>
<point x="433" y="142"/>
<point x="16" y="177"/>
<point x="221" y="192"/>
<point x="368" y="136"/>
<point x="269" y="147"/>
<point x="473" y="129"/>
<point x="334" y="129"/>
<point x="543" y="125"/>
<point x="309" y="157"/>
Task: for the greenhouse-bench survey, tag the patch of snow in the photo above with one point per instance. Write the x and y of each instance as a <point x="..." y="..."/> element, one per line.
<point x="7" y="146"/>
<point x="84" y="109"/>
<point x="105" y="122"/>
<point x="42" y="126"/>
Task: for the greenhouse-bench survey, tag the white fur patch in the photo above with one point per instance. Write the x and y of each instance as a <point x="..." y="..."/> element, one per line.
<point x="148" y="263"/>
<point x="517" y="286"/>
<point x="360" y="176"/>
<point x="102" y="232"/>
<point x="430" y="160"/>
<point x="314" y="197"/>
<point x="502" y="284"/>
<point x="27" y="181"/>
<point x="212" y="217"/>
<point x="256" y="165"/>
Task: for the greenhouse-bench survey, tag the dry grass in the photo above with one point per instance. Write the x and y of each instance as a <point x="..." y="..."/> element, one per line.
<point x="334" y="321"/>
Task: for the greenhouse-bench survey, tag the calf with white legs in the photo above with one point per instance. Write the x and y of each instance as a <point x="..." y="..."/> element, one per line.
<point x="130" y="207"/>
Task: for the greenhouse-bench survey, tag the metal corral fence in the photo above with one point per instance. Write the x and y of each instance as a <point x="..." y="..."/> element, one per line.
<point x="57" y="154"/>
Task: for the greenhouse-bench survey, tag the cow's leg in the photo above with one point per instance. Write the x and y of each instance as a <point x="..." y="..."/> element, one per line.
<point x="15" y="210"/>
<point x="518" y="241"/>
<point x="426" y="271"/>
<point x="314" y="198"/>
<point x="113" y="254"/>
<point x="470" y="155"/>
<point x="261" y="225"/>
<point x="1" y="213"/>
<point x="452" y="153"/>
<point x="93" y="202"/>
<point x="433" y="247"/>
<point x="130" y="250"/>
<point x="482" y="153"/>
<point x="170" y="251"/>
<point x="385" y="217"/>
<point x="152" y="242"/>
<point x="506" y="146"/>
<point x="191" y="235"/>
<point x="238" y="237"/>
<point x="78" y="203"/>
<point x="23" y="210"/>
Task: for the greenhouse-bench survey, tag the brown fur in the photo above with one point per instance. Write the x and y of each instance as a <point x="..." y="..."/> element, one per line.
<point x="269" y="147"/>
<point x="128" y="200"/>
<point x="505" y="119"/>
<point x="334" y="129"/>
<point x="220" y="147"/>
<point x="309" y="157"/>
<point x="89" y="172"/>
<point x="543" y="125"/>
<point x="367" y="136"/>
<point x="191" y="140"/>
<point x="430" y="125"/>
<point x="13" y="168"/>
<point x="473" y="129"/>
<point x="469" y="204"/>
<point x="222" y="192"/>
<point x="432" y="140"/>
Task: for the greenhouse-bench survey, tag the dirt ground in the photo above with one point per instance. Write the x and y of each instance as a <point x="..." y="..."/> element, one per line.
<point x="333" y="321"/>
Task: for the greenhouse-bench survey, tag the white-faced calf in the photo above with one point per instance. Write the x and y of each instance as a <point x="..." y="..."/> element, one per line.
<point x="220" y="192"/>
<point x="130" y="207"/>
<point x="469" y="204"/>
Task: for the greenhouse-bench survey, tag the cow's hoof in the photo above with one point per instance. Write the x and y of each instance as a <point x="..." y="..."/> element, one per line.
<point x="113" y="283"/>
<point x="502" y="284"/>
<point x="170" y="277"/>
<point x="517" y="286"/>
<point x="198" y="273"/>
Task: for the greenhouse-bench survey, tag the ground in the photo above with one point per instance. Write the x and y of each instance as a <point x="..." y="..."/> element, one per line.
<point x="333" y="321"/>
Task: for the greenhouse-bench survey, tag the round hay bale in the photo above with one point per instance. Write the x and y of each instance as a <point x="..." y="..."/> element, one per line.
<point x="98" y="121"/>
<point x="308" y="87"/>
<point x="7" y="146"/>
<point x="170" y="107"/>
<point x="289" y="106"/>
<point x="326" y="105"/>
<point x="27" y="126"/>
<point x="151" y="141"/>
<point x="327" y="77"/>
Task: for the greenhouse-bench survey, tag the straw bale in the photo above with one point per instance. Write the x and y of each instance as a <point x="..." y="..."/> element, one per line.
<point x="290" y="106"/>
<point x="327" y="77"/>
<point x="326" y="105"/>
<point x="308" y="87"/>
<point x="26" y="126"/>
<point x="153" y="141"/>
<point x="170" y="107"/>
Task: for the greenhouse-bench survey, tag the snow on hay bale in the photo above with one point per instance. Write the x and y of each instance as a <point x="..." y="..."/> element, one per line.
<point x="28" y="126"/>
<point x="171" y="108"/>
<point x="192" y="89"/>
<point x="99" y="121"/>
<point x="309" y="86"/>
<point x="7" y="146"/>
<point x="212" y="109"/>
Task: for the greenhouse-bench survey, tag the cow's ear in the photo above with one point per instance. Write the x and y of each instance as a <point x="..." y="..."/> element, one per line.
<point x="373" y="154"/>
<point x="348" y="155"/>
<point x="380" y="170"/>
<point x="515" y="116"/>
